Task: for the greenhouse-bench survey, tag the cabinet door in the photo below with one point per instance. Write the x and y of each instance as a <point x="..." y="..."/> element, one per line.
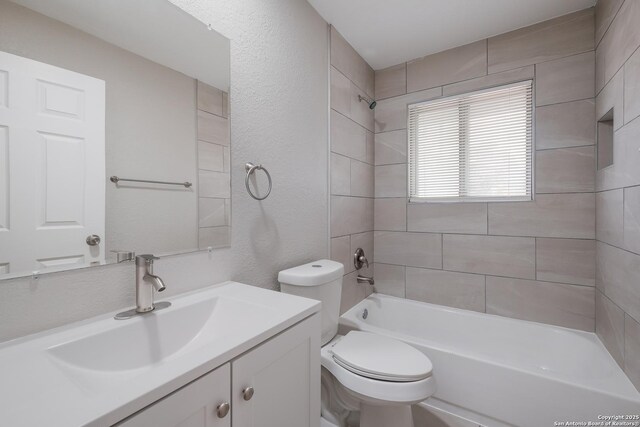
<point x="284" y="373"/>
<point x="194" y="405"/>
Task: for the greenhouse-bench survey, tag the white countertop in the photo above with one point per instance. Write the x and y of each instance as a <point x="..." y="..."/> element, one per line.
<point x="38" y="387"/>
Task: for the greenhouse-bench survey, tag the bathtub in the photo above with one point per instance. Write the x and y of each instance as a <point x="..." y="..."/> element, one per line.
<point x="495" y="371"/>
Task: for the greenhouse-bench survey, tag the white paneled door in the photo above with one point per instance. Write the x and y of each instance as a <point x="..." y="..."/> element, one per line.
<point x="52" y="166"/>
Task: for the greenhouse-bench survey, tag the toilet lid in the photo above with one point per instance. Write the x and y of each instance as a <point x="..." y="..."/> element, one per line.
<point x="382" y="358"/>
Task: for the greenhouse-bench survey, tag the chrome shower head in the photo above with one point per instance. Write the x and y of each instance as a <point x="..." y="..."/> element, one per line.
<point x="372" y="102"/>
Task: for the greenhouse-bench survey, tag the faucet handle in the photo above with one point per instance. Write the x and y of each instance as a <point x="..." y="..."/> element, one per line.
<point x="359" y="259"/>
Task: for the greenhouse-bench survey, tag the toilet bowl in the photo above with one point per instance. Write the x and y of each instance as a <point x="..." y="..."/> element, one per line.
<point x="378" y="376"/>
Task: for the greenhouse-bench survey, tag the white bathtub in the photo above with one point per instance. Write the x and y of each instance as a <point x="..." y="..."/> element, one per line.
<point x="497" y="371"/>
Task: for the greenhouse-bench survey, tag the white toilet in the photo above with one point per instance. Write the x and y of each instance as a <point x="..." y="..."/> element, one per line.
<point x="379" y="376"/>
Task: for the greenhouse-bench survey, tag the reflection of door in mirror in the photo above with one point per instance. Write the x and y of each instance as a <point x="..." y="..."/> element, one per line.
<point x="52" y="166"/>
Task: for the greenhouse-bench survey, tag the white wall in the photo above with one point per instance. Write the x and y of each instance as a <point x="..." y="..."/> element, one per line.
<point x="279" y="118"/>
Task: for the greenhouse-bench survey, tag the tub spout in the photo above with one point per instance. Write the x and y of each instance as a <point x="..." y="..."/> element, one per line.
<point x="364" y="279"/>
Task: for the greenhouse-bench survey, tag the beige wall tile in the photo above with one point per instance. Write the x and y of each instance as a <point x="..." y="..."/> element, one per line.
<point x="391" y="181"/>
<point x="605" y="11"/>
<point x="566" y="261"/>
<point x="624" y="172"/>
<point x="619" y="276"/>
<point x="632" y="219"/>
<point x="209" y="99"/>
<point x="391" y="147"/>
<point x="340" y="92"/>
<point x="341" y="252"/>
<point x="570" y="306"/>
<point x="502" y="78"/>
<point x="214" y="184"/>
<point x="566" y="170"/>
<point x="549" y="215"/>
<point x="212" y="128"/>
<point x="340" y="175"/>
<point x="566" y="79"/>
<point x="347" y="137"/>
<point x="211" y="156"/>
<point x="214" y="237"/>
<point x="552" y="39"/>
<point x="632" y="350"/>
<point x="411" y="249"/>
<point x="227" y="159"/>
<point x="391" y="81"/>
<point x="353" y="292"/>
<point x="361" y="179"/>
<point x="346" y="59"/>
<point x="467" y="218"/>
<point x="390" y="279"/>
<point x="360" y="111"/>
<point x="453" y="65"/>
<point x="391" y="114"/>
<point x="495" y="255"/>
<point x="632" y="87"/>
<point x="371" y="148"/>
<point x="460" y="290"/>
<point x="610" y="217"/>
<point x="612" y="96"/>
<point x="619" y="42"/>
<point x="212" y="212"/>
<point x="610" y="326"/>
<point x="390" y="214"/>
<point x="225" y="104"/>
<point x="351" y="215"/>
<point x="571" y="124"/>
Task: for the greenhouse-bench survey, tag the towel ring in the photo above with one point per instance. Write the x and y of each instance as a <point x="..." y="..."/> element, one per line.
<point x="251" y="168"/>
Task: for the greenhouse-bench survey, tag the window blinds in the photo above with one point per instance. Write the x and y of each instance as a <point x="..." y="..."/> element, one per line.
<point x="472" y="147"/>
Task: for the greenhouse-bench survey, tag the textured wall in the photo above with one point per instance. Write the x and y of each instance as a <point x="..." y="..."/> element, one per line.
<point x="618" y="186"/>
<point x="279" y="104"/>
<point x="528" y="260"/>
<point x="352" y="170"/>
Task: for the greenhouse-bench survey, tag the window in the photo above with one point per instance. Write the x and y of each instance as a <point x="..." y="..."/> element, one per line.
<point x="472" y="147"/>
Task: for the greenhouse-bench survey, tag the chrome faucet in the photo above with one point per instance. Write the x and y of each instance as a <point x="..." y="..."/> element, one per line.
<point x="146" y="282"/>
<point x="364" y="279"/>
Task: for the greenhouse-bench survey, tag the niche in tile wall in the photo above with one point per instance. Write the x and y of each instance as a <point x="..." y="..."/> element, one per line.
<point x="605" y="140"/>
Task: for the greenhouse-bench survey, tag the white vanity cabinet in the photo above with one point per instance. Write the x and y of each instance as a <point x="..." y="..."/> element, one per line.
<point x="194" y="405"/>
<point x="284" y="374"/>
<point x="275" y="384"/>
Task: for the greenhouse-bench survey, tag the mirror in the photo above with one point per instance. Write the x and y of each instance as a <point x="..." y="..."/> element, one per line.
<point x="114" y="133"/>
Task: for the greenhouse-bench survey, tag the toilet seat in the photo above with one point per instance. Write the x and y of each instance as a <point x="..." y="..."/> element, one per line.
<point x="381" y="358"/>
<point x="374" y="390"/>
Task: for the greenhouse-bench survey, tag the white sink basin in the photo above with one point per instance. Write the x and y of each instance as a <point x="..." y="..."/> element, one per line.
<point x="143" y="341"/>
<point x="99" y="371"/>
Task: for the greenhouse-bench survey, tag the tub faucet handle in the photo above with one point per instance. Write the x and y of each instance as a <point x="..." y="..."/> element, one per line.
<point x="359" y="259"/>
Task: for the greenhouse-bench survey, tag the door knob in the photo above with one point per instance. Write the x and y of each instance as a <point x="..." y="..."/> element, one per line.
<point x="223" y="409"/>
<point x="247" y="393"/>
<point x="93" y="240"/>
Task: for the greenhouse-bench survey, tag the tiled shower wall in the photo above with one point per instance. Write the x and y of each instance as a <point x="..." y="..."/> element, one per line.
<point x="528" y="260"/>
<point x="214" y="176"/>
<point x="618" y="186"/>
<point x="352" y="170"/>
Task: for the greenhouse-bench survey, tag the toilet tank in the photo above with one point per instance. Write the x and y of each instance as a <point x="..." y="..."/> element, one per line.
<point x="320" y="280"/>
